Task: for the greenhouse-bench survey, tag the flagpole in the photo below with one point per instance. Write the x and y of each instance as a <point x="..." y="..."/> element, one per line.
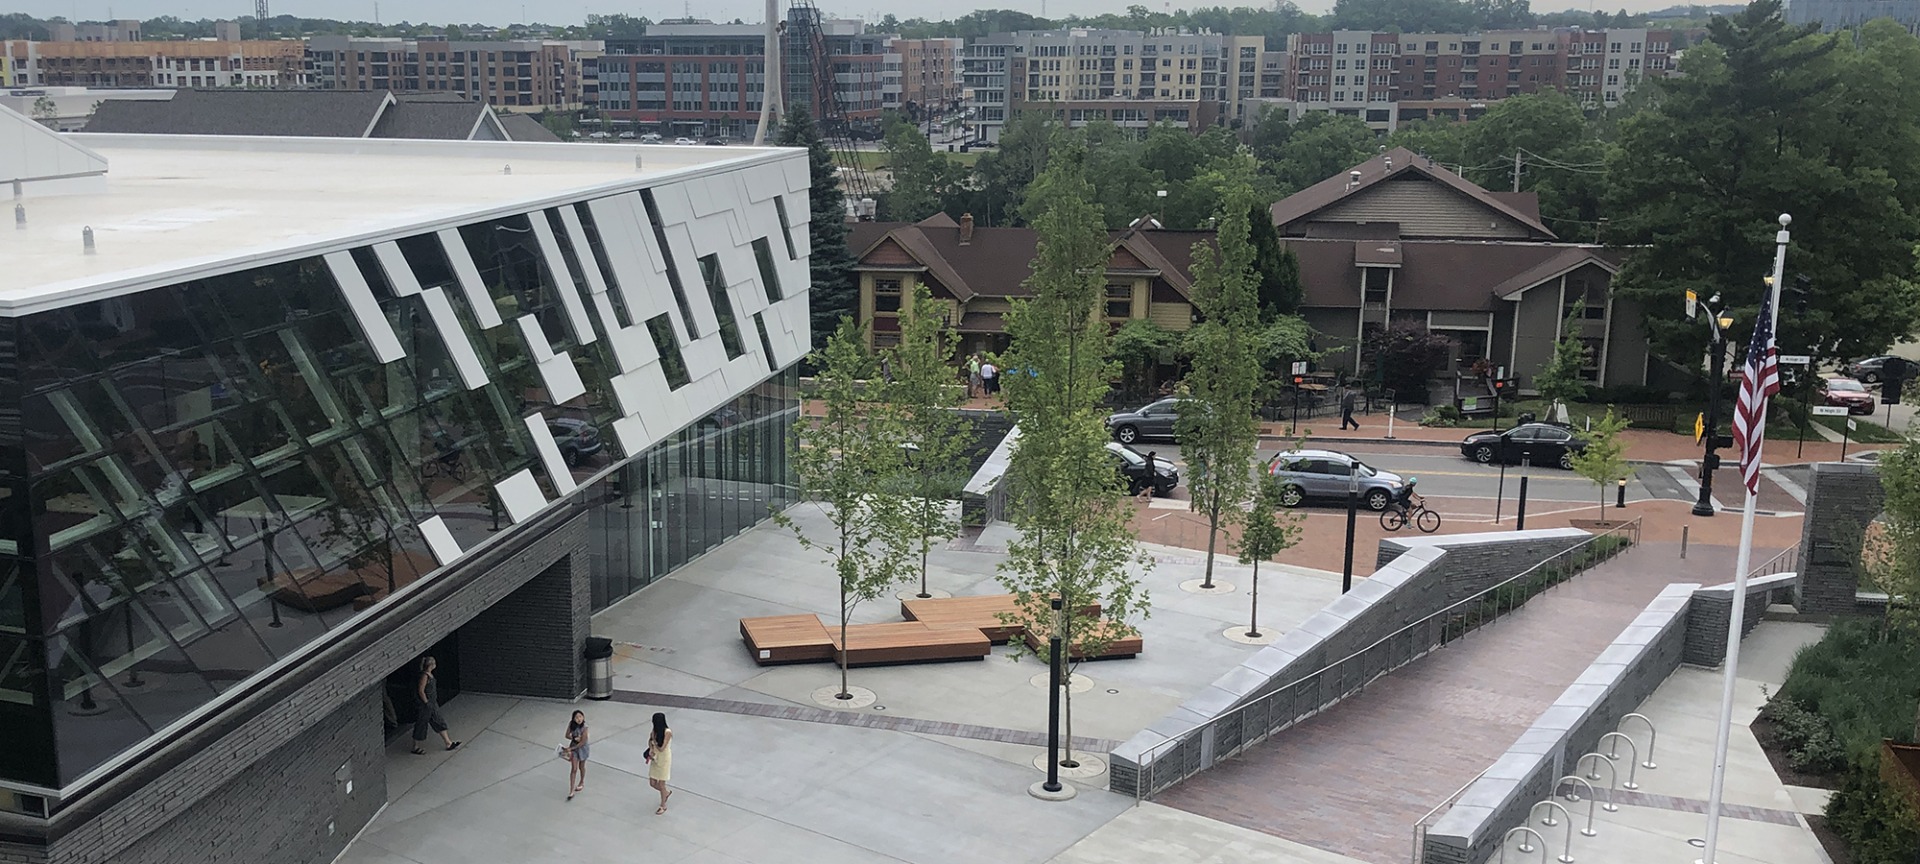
<point x="1742" y="561"/>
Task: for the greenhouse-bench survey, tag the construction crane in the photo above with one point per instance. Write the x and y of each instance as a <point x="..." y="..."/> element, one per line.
<point x="809" y="67"/>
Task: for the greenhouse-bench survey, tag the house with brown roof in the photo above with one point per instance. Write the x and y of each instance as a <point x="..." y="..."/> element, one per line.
<point x="974" y="273"/>
<point x="1399" y="238"/>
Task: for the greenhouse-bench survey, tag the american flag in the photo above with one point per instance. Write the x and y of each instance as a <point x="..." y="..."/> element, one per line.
<point x="1760" y="379"/>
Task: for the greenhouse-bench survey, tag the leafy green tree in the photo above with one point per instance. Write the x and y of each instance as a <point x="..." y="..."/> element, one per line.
<point x="847" y="463"/>
<point x="561" y="123"/>
<point x="1604" y="459"/>
<point x="1321" y="145"/>
<point x="1074" y="541"/>
<point x="1216" y="426"/>
<point x="1561" y="158"/>
<point x="1139" y="347"/>
<point x="1267" y="528"/>
<point x="834" y="294"/>
<point x="1003" y="174"/>
<point x="1442" y="140"/>
<point x="1559" y="379"/>
<point x="1280" y="291"/>
<point x="1764" y="119"/>
<point x="1896" y="569"/>
<point x="923" y="398"/>
<point x="924" y="182"/>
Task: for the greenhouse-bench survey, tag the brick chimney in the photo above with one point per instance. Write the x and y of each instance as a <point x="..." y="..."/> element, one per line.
<point x="966" y="228"/>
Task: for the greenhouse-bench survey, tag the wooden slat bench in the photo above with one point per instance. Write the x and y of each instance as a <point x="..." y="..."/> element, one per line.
<point x="786" y="639"/>
<point x="980" y="611"/>
<point x="1119" y="649"/>
<point x="907" y="642"/>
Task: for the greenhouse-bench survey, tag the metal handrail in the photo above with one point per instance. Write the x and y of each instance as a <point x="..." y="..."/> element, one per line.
<point x="1420" y="825"/>
<point x="1790" y="555"/>
<point x="1335" y="681"/>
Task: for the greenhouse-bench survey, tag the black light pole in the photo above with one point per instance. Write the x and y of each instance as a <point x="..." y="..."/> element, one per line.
<point x="1704" y="506"/>
<point x="1353" y="515"/>
<point x="1520" y="512"/>
<point x="266" y="565"/>
<point x="1053" y="703"/>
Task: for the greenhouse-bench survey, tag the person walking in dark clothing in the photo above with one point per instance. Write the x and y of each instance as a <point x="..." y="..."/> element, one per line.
<point x="1347" y="400"/>
<point x="426" y="710"/>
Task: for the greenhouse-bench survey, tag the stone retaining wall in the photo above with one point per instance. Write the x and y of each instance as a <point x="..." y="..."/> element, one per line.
<point x="1289" y="680"/>
<point x="1712" y="610"/>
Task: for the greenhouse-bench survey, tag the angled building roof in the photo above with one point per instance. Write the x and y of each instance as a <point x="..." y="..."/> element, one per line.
<point x="1450" y="275"/>
<point x="522" y="127"/>
<point x="1373" y="196"/>
<point x="308" y="114"/>
<point x="996" y="262"/>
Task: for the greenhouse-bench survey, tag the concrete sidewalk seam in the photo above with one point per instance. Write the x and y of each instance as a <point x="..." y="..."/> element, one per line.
<point x="830" y="716"/>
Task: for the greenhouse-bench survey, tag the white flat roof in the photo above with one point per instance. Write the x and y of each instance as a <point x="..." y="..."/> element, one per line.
<point x="176" y="207"/>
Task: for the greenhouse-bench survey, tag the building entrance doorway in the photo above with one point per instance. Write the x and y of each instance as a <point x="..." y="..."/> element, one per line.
<point x="400" y="704"/>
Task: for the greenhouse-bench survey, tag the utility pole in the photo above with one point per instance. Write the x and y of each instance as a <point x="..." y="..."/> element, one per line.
<point x="770" y="75"/>
<point x="1516" y="168"/>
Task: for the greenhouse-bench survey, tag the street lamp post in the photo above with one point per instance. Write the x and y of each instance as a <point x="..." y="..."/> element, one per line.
<point x="1353" y="515"/>
<point x="1704" y="506"/>
<point x="1053" y="702"/>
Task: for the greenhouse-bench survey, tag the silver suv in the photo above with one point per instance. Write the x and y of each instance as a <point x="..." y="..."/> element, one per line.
<point x="1305" y="474"/>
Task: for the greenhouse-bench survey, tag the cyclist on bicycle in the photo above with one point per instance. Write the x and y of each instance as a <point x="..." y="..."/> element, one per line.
<point x="1405" y="500"/>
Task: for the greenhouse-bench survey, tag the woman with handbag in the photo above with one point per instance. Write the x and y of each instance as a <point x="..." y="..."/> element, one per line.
<point x="575" y="750"/>
<point x="660" y="759"/>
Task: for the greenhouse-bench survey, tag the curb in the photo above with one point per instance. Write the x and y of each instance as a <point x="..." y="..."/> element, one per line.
<point x="1324" y="439"/>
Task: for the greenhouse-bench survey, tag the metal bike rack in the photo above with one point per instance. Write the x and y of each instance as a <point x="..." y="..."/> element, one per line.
<point x="1593" y="800"/>
<point x="1652" y="736"/>
<point x="1633" y="765"/>
<point x="1523" y="843"/>
<point x="1613" y="776"/>
<point x="1566" y="855"/>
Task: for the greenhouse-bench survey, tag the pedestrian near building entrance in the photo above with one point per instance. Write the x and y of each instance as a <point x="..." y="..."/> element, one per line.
<point x="426" y="713"/>
<point x="973" y="377"/>
<point x="990" y="377"/>
<point x="1347" y="400"/>
<point x="575" y="751"/>
<point x="660" y="759"/>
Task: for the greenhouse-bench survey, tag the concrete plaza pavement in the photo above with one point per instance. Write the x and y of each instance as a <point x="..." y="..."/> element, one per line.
<point x="937" y="772"/>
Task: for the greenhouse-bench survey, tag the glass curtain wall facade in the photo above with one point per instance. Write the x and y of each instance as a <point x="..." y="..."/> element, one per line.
<point x="201" y="479"/>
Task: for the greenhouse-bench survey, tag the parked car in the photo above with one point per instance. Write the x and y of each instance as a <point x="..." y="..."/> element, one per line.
<point x="1325" y="474"/>
<point x="1153" y="420"/>
<point x="627" y="135"/>
<point x="599" y="135"/>
<point x="1133" y="468"/>
<point x="716" y="142"/>
<point x="1846" y="392"/>
<point x="578" y="439"/>
<point x="1868" y="371"/>
<point x="650" y="138"/>
<point x="1534" y="443"/>
<point x="684" y="142"/>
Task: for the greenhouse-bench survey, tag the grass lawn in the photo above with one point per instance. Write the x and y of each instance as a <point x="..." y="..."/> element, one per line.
<point x="1865" y="431"/>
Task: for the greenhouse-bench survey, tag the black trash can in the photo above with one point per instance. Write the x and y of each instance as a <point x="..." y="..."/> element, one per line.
<point x="599" y="654"/>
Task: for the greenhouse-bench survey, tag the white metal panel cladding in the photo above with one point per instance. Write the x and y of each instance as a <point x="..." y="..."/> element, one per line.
<point x="374" y="326"/>
<point x="563" y="280"/>
<point x="465" y="361"/>
<point x="522" y="496"/>
<point x="557" y="471"/>
<point x="469" y="276"/>
<point x="394" y="262"/>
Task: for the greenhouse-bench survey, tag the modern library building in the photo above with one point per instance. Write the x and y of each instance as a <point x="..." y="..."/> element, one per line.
<point x="280" y="416"/>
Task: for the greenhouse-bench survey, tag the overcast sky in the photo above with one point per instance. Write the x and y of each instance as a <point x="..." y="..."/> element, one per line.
<point x="574" y="12"/>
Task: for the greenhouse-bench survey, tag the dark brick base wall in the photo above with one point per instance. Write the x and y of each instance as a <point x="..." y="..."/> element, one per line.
<point x="1842" y="499"/>
<point x="530" y="643"/>
<point x="170" y="783"/>
<point x="292" y="807"/>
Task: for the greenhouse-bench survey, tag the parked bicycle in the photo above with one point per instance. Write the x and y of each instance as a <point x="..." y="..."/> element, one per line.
<point x="1415" y="511"/>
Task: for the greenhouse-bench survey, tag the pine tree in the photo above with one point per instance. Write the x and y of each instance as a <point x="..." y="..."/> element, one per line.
<point x="834" y="294"/>
<point x="1559" y="379"/>
<point x="1280" y="290"/>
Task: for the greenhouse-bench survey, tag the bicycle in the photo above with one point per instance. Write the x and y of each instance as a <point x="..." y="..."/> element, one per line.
<point x="1416" y="512"/>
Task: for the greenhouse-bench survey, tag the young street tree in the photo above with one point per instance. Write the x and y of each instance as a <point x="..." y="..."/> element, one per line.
<point x="1216" y="426"/>
<point x="1559" y="379"/>
<point x="1604" y="459"/>
<point x="1895" y="570"/>
<point x="1267" y="529"/>
<point x="1063" y="494"/>
<point x="924" y="399"/>
<point x="834" y="294"/>
<point x="846" y="461"/>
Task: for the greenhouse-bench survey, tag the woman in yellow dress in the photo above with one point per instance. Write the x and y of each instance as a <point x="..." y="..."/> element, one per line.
<point x="660" y="759"/>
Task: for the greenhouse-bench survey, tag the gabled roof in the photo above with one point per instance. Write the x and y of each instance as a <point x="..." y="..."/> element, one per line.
<point x="306" y="114"/>
<point x="1304" y="203"/>
<point x="522" y="127"/>
<point x="996" y="262"/>
<point x="1570" y="258"/>
<point x="30" y="151"/>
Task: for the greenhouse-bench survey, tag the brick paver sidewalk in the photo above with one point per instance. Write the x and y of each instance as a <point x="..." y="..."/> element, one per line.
<point x="1354" y="779"/>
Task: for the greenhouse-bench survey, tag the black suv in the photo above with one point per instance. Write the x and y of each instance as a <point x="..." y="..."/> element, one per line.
<point x="578" y="439"/>
<point x="1133" y="467"/>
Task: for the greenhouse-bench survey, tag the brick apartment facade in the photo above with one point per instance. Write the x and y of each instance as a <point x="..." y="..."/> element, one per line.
<point x="702" y="79"/>
<point x="524" y="75"/>
<point x="197" y="63"/>
<point x="929" y="71"/>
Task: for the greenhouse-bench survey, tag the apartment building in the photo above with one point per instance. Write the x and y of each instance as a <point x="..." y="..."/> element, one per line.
<point x="699" y="79"/>
<point x="117" y="30"/>
<point x="267" y="64"/>
<point x="523" y="75"/>
<point x="1391" y="78"/>
<point x="1133" y="78"/>
<point x="929" y="71"/>
<point x="1843" y="14"/>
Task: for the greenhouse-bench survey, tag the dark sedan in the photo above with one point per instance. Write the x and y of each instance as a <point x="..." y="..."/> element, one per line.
<point x="1133" y="467"/>
<point x="1534" y="443"/>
